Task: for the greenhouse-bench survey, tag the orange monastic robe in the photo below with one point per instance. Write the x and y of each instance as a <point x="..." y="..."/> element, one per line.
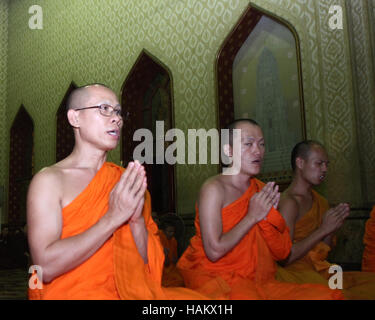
<point x="116" y="270"/>
<point x="171" y="275"/>
<point x="368" y="259"/>
<point x="313" y="267"/>
<point x="248" y="270"/>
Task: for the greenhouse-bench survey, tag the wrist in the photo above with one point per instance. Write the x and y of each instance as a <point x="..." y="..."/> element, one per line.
<point x="323" y="232"/>
<point x="251" y="220"/>
<point x="109" y="224"/>
<point x="137" y="220"/>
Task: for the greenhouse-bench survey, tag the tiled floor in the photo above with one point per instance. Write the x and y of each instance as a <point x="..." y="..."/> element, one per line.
<point x="13" y="284"/>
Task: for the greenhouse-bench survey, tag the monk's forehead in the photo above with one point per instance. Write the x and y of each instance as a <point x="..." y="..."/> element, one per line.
<point x="99" y="91"/>
<point x="317" y="152"/>
<point x="99" y="94"/>
<point x="249" y="130"/>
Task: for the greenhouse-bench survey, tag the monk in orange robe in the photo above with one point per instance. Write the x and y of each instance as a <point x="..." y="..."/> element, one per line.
<point x="89" y="222"/>
<point x="239" y="233"/>
<point x="171" y="275"/>
<point x="312" y="226"/>
<point x="368" y="259"/>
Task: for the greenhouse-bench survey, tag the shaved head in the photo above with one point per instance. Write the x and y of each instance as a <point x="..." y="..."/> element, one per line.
<point x="234" y="125"/>
<point x="302" y="150"/>
<point x="78" y="96"/>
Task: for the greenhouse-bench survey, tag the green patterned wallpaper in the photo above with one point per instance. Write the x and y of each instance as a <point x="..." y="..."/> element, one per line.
<point x="3" y="92"/>
<point x="362" y="35"/>
<point x="99" y="41"/>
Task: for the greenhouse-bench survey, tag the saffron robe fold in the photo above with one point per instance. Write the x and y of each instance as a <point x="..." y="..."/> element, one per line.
<point x="248" y="270"/>
<point x="368" y="258"/>
<point x="313" y="267"/>
<point x="171" y="276"/>
<point x="116" y="270"/>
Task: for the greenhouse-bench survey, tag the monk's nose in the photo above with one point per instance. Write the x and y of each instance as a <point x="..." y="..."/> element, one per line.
<point x="117" y="119"/>
<point x="325" y="167"/>
<point x="256" y="149"/>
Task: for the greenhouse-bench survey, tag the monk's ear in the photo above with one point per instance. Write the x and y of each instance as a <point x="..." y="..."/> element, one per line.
<point x="228" y="151"/>
<point x="299" y="163"/>
<point x="73" y="118"/>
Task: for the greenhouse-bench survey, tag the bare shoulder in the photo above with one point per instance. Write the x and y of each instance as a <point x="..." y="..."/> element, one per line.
<point x="48" y="175"/>
<point x="46" y="182"/>
<point x="213" y="185"/>
<point x="211" y="190"/>
<point x="289" y="205"/>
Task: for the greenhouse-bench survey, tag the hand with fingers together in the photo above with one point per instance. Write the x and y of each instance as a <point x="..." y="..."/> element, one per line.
<point x="334" y="218"/>
<point x="262" y="201"/>
<point x="127" y="197"/>
<point x="138" y="211"/>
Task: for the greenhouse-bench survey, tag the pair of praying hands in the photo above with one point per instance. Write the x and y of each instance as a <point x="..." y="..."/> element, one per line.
<point x="334" y="218"/>
<point x="127" y="197"/>
<point x="262" y="201"/>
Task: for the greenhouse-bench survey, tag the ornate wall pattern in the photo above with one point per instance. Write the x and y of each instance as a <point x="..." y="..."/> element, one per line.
<point x="3" y="96"/>
<point x="101" y="42"/>
<point x="341" y="134"/>
<point x="364" y="89"/>
<point x="371" y="13"/>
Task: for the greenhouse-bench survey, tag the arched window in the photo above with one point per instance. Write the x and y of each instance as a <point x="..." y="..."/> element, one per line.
<point x="259" y="77"/>
<point x="20" y="166"/>
<point x="64" y="132"/>
<point x="147" y="98"/>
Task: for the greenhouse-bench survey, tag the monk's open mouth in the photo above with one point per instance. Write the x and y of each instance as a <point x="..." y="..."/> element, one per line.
<point x="113" y="133"/>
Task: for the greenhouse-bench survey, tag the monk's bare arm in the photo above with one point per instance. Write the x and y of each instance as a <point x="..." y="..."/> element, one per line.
<point x="216" y="243"/>
<point x="289" y="209"/>
<point x="329" y="240"/>
<point x="55" y="255"/>
<point x="140" y="236"/>
<point x="139" y="231"/>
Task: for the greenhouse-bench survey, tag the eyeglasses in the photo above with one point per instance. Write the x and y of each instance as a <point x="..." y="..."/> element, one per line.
<point x="105" y="110"/>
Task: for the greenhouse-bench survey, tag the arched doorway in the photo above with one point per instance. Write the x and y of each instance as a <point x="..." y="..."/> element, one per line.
<point x="259" y="76"/>
<point x="20" y="166"/>
<point x="64" y="132"/>
<point x="147" y="98"/>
